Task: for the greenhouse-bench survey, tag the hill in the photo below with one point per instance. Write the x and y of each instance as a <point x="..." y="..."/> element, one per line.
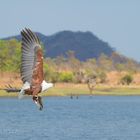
<point x="85" y="44"/>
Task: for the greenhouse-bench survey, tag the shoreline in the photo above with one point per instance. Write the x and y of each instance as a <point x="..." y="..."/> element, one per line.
<point x="70" y="89"/>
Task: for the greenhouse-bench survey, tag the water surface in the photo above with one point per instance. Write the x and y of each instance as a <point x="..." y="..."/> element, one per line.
<point x="85" y="118"/>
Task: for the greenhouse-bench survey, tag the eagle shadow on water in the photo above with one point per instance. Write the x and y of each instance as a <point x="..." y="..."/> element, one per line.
<point x="32" y="73"/>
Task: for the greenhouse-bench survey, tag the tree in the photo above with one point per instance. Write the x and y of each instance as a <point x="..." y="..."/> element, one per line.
<point x="91" y="82"/>
<point x="102" y="76"/>
<point x="126" y="80"/>
<point x="105" y="63"/>
<point x="66" y="77"/>
<point x="10" y="55"/>
<point x="54" y="77"/>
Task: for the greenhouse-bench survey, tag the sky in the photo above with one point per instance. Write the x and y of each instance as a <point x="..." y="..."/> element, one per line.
<point x="114" y="21"/>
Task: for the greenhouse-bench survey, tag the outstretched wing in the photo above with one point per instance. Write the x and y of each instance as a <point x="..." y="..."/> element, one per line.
<point x="32" y="58"/>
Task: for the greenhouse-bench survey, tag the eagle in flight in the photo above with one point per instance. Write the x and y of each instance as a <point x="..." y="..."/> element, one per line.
<point x="32" y="68"/>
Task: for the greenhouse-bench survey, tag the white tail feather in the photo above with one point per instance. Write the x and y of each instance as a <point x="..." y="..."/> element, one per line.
<point x="21" y="94"/>
<point x="25" y="86"/>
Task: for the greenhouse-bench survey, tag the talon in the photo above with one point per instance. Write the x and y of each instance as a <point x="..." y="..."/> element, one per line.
<point x="38" y="101"/>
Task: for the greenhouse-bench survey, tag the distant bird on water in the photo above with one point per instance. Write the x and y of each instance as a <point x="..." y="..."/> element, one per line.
<point x="32" y="67"/>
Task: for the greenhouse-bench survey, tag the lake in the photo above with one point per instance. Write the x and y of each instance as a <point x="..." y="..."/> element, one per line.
<point x="85" y="118"/>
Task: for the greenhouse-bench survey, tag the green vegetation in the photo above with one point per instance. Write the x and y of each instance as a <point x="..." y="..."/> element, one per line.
<point x="66" y="76"/>
<point x="72" y="89"/>
<point x="92" y="72"/>
<point x="10" y="55"/>
<point x="127" y="79"/>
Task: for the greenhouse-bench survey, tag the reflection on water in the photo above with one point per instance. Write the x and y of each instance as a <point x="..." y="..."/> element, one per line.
<point x="63" y="118"/>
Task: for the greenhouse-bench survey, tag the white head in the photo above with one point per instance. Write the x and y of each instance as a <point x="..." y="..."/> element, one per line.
<point x="46" y="85"/>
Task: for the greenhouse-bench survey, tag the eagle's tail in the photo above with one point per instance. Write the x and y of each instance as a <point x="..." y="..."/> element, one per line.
<point x="22" y="91"/>
<point x="21" y="94"/>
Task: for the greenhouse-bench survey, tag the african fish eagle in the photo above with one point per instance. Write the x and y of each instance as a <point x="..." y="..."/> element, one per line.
<point x="32" y="67"/>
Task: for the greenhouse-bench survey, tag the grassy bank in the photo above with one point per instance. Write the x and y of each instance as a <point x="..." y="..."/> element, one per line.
<point x="82" y="89"/>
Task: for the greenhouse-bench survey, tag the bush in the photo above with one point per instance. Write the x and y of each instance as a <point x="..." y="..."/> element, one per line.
<point x="102" y="77"/>
<point x="54" y="77"/>
<point x="66" y="77"/>
<point x="126" y="80"/>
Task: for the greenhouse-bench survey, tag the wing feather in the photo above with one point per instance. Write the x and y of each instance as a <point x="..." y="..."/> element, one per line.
<point x="32" y="62"/>
<point x="35" y="38"/>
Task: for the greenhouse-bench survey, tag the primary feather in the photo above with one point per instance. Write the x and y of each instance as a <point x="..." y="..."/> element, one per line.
<point x="32" y="61"/>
